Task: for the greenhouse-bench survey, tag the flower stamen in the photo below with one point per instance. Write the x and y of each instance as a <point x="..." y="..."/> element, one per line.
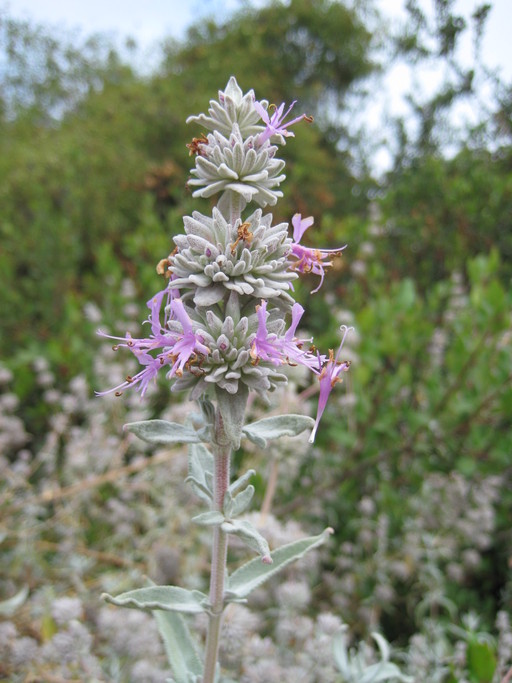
<point x="243" y="234"/>
<point x="195" y="147"/>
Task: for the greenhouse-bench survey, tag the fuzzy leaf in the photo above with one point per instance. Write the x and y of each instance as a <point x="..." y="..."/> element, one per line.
<point x="241" y="481"/>
<point x="200" y="471"/>
<point x="340" y="653"/>
<point x="162" y="432"/>
<point x="211" y="518"/>
<point x="168" y="598"/>
<point x="208" y="296"/>
<point x="235" y="506"/>
<point x="181" y="652"/>
<point x="276" y="427"/>
<point x="250" y="536"/>
<point x="254" y="573"/>
<point x="354" y="670"/>
<point x="232" y="410"/>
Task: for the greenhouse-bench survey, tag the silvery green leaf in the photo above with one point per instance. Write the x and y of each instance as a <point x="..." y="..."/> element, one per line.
<point x="208" y="296"/>
<point x="239" y="503"/>
<point x="383" y="645"/>
<point x="227" y="506"/>
<point x="233" y="307"/>
<point x="180" y="649"/>
<point x="211" y="518"/>
<point x="205" y="433"/>
<point x="200" y="471"/>
<point x="247" y="533"/>
<point x="353" y="666"/>
<point x="9" y="607"/>
<point x="241" y="481"/>
<point x="200" y="490"/>
<point x="200" y="462"/>
<point x="162" y="432"/>
<point x="232" y="410"/>
<point x="339" y="650"/>
<point x="385" y="670"/>
<point x="167" y="598"/>
<point x="276" y="427"/>
<point x="254" y="573"/>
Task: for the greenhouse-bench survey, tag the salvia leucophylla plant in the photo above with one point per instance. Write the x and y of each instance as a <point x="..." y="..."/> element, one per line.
<point x="219" y="331"/>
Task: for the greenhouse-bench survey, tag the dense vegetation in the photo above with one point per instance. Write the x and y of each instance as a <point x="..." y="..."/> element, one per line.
<point x="412" y="466"/>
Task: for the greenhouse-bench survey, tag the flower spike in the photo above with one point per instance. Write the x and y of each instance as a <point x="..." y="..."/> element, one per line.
<point x="220" y="321"/>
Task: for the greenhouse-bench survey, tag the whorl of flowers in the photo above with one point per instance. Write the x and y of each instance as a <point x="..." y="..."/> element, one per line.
<point x="229" y="360"/>
<point x="230" y="277"/>
<point x="214" y="257"/>
<point x="239" y="168"/>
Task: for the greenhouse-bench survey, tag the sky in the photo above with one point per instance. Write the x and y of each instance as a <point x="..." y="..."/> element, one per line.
<point x="147" y="22"/>
<point x="151" y="21"/>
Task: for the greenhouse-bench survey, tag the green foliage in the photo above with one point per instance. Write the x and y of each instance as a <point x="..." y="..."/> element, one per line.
<point x="481" y="661"/>
<point x="44" y="73"/>
<point x="309" y="51"/>
<point x="425" y="41"/>
<point x="93" y="164"/>
<point x="439" y="213"/>
<point x="431" y="395"/>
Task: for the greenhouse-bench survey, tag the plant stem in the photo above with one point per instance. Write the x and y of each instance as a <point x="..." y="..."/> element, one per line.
<point x="222" y="458"/>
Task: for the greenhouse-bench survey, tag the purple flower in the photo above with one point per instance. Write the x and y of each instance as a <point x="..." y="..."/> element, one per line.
<point x="265" y="346"/>
<point x="189" y="344"/>
<point x="329" y="375"/>
<point x="292" y="347"/>
<point x="175" y="349"/>
<point x="272" y="348"/>
<point x="277" y="350"/>
<point x="309" y="260"/>
<point x="155" y="305"/>
<point x="142" y="378"/>
<point x="275" y="124"/>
